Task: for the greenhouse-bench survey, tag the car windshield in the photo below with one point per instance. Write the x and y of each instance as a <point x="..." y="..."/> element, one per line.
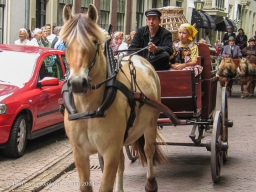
<point x="16" y="67"/>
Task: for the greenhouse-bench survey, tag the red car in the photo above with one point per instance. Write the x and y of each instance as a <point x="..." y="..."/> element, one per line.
<point x="30" y="86"/>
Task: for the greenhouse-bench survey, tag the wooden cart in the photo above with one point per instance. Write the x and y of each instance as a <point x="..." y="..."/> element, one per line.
<point x="193" y="99"/>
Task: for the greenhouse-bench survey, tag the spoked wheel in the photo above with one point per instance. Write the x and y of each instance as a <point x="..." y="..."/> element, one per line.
<point x="101" y="161"/>
<point x="217" y="147"/>
<point x="224" y="110"/>
<point x="130" y="153"/>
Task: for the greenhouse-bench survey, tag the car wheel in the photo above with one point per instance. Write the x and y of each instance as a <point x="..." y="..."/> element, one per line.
<point x="18" y="138"/>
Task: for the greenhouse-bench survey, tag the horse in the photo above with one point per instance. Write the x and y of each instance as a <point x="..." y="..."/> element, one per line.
<point x="226" y="72"/>
<point x="245" y="73"/>
<point x="106" y="135"/>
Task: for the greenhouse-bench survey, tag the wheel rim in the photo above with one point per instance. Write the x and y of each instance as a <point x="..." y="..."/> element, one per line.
<point x="224" y="110"/>
<point x="131" y="153"/>
<point x="216" y="153"/>
<point x="21" y="137"/>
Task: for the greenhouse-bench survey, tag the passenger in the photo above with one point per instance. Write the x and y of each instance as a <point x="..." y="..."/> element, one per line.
<point x="186" y="50"/>
<point x="227" y="35"/>
<point x="241" y="39"/>
<point x="157" y="38"/>
<point x="231" y="50"/>
<point x="250" y="51"/>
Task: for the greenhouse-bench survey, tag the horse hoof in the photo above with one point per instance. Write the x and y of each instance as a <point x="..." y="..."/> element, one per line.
<point x="155" y="190"/>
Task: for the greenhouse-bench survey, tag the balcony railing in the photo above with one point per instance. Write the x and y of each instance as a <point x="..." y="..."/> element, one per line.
<point x="214" y="4"/>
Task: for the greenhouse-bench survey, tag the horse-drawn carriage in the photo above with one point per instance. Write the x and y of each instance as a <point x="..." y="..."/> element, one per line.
<point x="242" y="71"/>
<point x="110" y="104"/>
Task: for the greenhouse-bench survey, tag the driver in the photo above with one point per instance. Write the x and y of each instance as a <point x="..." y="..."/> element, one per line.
<point x="157" y="38"/>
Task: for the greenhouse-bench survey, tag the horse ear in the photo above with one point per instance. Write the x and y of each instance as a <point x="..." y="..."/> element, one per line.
<point x="92" y="13"/>
<point x="67" y="14"/>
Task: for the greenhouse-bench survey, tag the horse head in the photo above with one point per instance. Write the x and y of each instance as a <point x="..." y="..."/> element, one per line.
<point x="226" y="66"/>
<point x="84" y="49"/>
<point x="245" y="67"/>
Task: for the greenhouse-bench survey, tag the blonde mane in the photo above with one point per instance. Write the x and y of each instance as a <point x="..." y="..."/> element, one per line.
<point x="244" y="63"/>
<point x="227" y="63"/>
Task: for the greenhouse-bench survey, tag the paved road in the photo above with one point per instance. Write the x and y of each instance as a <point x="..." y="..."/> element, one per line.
<point x="189" y="168"/>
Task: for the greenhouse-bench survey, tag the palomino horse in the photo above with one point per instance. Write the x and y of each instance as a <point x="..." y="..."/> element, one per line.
<point x="245" y="73"/>
<point x="106" y="135"/>
<point x="226" y="71"/>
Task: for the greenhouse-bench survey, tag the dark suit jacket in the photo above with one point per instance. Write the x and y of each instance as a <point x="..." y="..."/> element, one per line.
<point x="162" y="39"/>
<point x="233" y="54"/>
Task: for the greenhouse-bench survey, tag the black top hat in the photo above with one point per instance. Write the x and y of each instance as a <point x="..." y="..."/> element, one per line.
<point x="251" y="39"/>
<point x="231" y="38"/>
<point x="153" y="11"/>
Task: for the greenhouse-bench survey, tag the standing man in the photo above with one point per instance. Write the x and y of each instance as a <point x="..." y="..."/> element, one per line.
<point x="158" y="40"/>
<point x="50" y="35"/>
<point x="226" y="36"/>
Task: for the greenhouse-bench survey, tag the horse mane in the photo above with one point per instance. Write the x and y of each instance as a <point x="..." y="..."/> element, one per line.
<point x="82" y="29"/>
<point x="227" y="63"/>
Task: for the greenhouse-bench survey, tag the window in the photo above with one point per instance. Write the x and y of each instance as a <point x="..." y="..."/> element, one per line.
<point x="40" y="13"/>
<point x="104" y="14"/>
<point x="166" y="3"/>
<point x="2" y="3"/>
<point x="178" y="4"/>
<point x="61" y="6"/>
<point x="51" y="67"/>
<point x="120" y="15"/>
<point x="139" y="13"/>
<point x="85" y="4"/>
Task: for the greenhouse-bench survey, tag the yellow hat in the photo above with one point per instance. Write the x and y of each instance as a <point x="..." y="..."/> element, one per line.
<point x="191" y="30"/>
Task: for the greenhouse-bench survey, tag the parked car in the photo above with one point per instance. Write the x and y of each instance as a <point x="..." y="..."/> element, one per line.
<point x="30" y="86"/>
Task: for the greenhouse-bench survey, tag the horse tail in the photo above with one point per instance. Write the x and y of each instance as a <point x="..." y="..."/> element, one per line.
<point x="158" y="158"/>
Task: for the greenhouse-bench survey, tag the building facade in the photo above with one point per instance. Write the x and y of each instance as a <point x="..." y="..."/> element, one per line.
<point x="126" y="15"/>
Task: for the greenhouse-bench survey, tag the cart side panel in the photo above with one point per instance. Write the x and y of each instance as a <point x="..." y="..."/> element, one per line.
<point x="209" y="85"/>
<point x="181" y="92"/>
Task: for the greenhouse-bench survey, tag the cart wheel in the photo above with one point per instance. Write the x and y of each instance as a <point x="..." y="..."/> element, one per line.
<point x="130" y="153"/>
<point x="216" y="145"/>
<point x="101" y="161"/>
<point x="224" y="110"/>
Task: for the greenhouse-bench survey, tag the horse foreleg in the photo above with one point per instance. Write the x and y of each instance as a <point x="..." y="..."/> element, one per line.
<point x="83" y="167"/>
<point x="120" y="173"/>
<point x="111" y="161"/>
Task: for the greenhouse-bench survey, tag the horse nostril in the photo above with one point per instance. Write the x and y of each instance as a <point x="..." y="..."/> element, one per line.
<point x="84" y="82"/>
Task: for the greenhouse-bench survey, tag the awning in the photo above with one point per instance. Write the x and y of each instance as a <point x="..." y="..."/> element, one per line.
<point x="199" y="18"/>
<point x="222" y="26"/>
<point x="211" y="21"/>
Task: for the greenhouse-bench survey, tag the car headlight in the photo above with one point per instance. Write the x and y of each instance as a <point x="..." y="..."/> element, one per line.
<point x="3" y="108"/>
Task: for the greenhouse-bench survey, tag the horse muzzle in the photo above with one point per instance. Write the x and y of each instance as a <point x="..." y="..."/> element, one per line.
<point x="78" y="84"/>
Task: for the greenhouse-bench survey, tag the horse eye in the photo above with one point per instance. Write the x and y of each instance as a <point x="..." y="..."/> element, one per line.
<point x="95" y="42"/>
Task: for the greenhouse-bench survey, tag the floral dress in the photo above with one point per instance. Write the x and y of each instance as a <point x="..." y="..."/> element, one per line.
<point x="184" y="53"/>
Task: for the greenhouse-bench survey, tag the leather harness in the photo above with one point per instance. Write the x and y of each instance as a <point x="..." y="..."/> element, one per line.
<point x="112" y="84"/>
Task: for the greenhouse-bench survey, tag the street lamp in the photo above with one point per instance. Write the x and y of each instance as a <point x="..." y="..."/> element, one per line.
<point x="199" y="4"/>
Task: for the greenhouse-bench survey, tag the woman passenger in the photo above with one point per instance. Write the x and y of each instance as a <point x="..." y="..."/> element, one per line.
<point x="186" y="50"/>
